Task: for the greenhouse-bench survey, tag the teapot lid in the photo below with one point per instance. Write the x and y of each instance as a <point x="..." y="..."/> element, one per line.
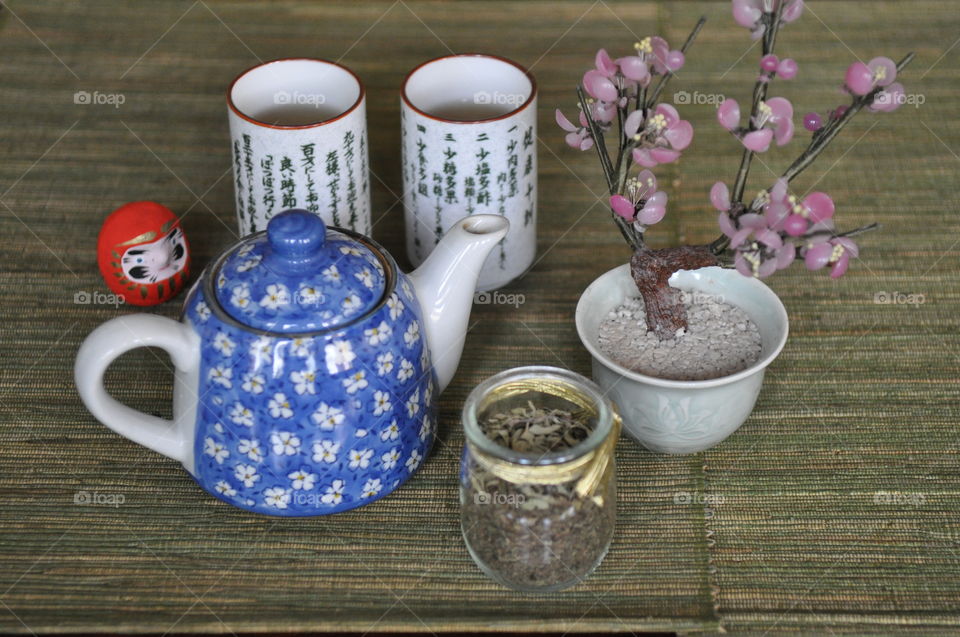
<point x="299" y="276"/>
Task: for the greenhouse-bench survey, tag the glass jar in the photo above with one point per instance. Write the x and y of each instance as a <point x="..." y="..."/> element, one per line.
<point x="538" y="478"/>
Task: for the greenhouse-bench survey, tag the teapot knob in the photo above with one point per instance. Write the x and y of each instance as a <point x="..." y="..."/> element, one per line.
<point x="296" y="240"/>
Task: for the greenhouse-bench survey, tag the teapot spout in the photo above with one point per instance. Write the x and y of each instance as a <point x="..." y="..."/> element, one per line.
<point x="445" y="285"/>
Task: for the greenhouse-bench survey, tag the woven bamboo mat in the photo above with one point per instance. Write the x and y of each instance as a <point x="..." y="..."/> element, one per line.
<point x="836" y="507"/>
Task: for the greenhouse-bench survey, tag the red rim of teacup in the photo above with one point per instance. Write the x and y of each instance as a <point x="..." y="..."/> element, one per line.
<point x="526" y="103"/>
<point x="242" y="115"/>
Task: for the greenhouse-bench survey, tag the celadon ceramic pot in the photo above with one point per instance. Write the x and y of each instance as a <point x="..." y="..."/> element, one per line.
<point x="676" y="416"/>
<point x="307" y="364"/>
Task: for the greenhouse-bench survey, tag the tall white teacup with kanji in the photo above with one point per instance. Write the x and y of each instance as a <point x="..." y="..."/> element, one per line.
<point x="298" y="135"/>
<point x="469" y="136"/>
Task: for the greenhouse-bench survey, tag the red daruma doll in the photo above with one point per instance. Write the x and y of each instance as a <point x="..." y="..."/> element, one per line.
<point x="143" y="253"/>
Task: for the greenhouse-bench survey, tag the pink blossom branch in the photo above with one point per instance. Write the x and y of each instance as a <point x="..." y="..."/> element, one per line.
<point x="616" y="176"/>
<point x="827" y="134"/>
<point x="818" y="143"/>
<point x="625" y="159"/>
<point x="666" y="77"/>
<point x="626" y="229"/>
<point x="598" y="139"/>
<point x="759" y="94"/>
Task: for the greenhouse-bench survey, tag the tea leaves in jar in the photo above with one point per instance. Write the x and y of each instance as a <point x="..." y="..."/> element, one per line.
<point x="531" y="429"/>
<point x="534" y="534"/>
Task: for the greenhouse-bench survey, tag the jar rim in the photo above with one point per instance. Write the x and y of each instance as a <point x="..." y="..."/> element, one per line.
<point x="583" y="386"/>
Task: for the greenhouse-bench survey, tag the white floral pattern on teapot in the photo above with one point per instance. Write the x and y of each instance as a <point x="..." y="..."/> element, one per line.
<point x="304" y="383"/>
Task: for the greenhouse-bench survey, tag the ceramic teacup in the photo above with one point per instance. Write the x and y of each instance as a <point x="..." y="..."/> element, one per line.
<point x="683" y="416"/>
<point x="298" y="131"/>
<point x="469" y="136"/>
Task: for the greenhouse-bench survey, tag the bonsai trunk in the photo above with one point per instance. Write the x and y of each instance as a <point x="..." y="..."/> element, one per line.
<point x="651" y="270"/>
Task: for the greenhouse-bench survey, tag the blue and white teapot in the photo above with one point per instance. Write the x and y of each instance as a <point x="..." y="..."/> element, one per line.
<point x="304" y="383"/>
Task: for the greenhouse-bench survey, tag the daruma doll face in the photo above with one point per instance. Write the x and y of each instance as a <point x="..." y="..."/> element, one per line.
<point x="143" y="253"/>
<point x="156" y="261"/>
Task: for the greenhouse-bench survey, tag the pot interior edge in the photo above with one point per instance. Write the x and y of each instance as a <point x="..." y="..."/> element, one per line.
<point x="760" y="303"/>
<point x="752" y="296"/>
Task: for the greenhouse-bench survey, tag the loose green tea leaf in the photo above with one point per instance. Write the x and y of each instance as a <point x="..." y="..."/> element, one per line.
<point x="536" y="536"/>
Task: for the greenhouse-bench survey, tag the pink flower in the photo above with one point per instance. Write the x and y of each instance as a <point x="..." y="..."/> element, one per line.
<point x="812" y="122"/>
<point x="758" y="141"/>
<point x="749" y="13"/>
<point x="661" y="137"/>
<point x="787" y="69"/>
<point x="635" y="69"/>
<point x="823" y="251"/>
<point x="862" y="78"/>
<point x="776" y="112"/>
<point x="769" y="64"/>
<point x="653" y="56"/>
<point x="766" y="242"/>
<point x="761" y="264"/>
<point x="720" y="196"/>
<point x="578" y="138"/>
<point x="603" y="112"/>
<point x="661" y="58"/>
<point x="728" y="114"/>
<point x="605" y="64"/>
<point x="889" y="99"/>
<point x="758" y="250"/>
<point x="774" y="120"/>
<point x="752" y="225"/>
<point x="599" y="86"/>
<point x="644" y="205"/>
<point x="796" y="218"/>
<point x="778" y="205"/>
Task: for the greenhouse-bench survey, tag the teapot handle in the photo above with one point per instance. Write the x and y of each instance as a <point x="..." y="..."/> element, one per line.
<point x="121" y="335"/>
